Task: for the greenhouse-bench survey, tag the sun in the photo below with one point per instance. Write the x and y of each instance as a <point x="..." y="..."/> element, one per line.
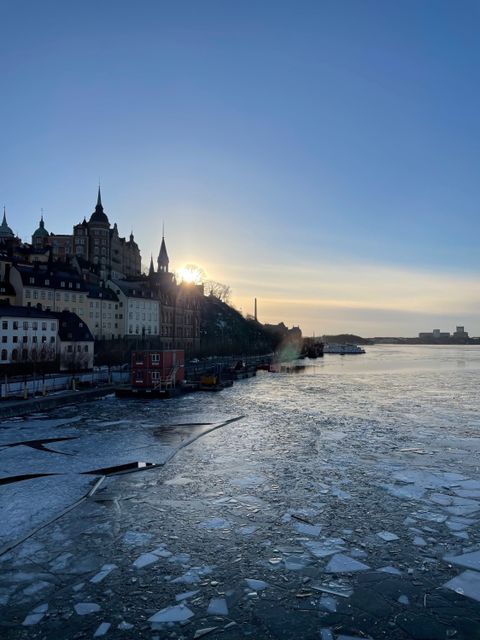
<point x="191" y="274"/>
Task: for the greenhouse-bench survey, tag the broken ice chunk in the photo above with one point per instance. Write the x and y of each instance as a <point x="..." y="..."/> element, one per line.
<point x="215" y="523"/>
<point x="247" y="530"/>
<point x="35" y="616"/>
<point x="341" y="563"/>
<point x="36" y="587"/>
<point x="387" y="536"/>
<point x="328" y="603"/>
<point x="469" y="560"/>
<point x="257" y="585"/>
<point x="124" y="626"/>
<point x="102" y="629"/>
<point x="404" y="600"/>
<point x="84" y="608"/>
<point x="180" y="597"/>
<point x="199" y="633"/>
<point x="103" y="573"/>
<point x="307" y="529"/>
<point x="217" y="607"/>
<point x="177" y="613"/>
<point x="419" y="541"/>
<point x="325" y="548"/>
<point x="392" y="570"/>
<point x="136" y="538"/>
<point x="145" y="559"/>
<point x="466" y="584"/>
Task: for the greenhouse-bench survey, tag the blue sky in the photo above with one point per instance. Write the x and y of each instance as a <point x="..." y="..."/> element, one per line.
<point x="320" y="155"/>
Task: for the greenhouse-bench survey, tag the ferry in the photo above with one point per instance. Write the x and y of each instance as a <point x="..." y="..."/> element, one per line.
<point x="343" y="349"/>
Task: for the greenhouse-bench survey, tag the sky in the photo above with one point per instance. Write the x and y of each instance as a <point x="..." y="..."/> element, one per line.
<point x="322" y="156"/>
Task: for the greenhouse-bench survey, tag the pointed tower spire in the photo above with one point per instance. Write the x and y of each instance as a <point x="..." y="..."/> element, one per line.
<point x="162" y="260"/>
<point x="4" y="221"/>
<point x="151" y="270"/>
<point x="99" y="197"/>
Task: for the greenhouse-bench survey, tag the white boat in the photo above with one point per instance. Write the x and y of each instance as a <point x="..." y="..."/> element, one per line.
<point x="343" y="349"/>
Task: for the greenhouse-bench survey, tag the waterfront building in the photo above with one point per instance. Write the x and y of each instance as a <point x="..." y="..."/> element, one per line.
<point x="137" y="306"/>
<point x="27" y="335"/>
<point x="75" y="343"/>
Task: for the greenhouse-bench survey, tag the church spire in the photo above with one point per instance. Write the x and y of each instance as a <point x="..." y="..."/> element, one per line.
<point x="99" y="198"/>
<point x="151" y="271"/>
<point x="162" y="260"/>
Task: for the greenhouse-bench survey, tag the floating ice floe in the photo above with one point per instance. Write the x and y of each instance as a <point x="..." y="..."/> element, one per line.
<point x="393" y="570"/>
<point x="124" y="626"/>
<point x="60" y="562"/>
<point x="84" y="608"/>
<point x="307" y="529"/>
<point x="200" y="633"/>
<point x="136" y="538"/>
<point x="341" y="563"/>
<point x="176" y="613"/>
<point x="215" y="523"/>
<point x="103" y="573"/>
<point x="35" y="616"/>
<point x="466" y="584"/>
<point x="152" y="556"/>
<point x="257" y="585"/>
<point x="326" y="634"/>
<point x="296" y="563"/>
<point x="247" y="530"/>
<point x="328" y="603"/>
<point x="469" y="560"/>
<point x="186" y="595"/>
<point x="387" y="536"/>
<point x="193" y="575"/>
<point x="36" y="587"/>
<point x="418" y="541"/>
<point x="325" y="548"/>
<point x="404" y="600"/>
<point x="102" y="629"/>
<point x="217" y="607"/>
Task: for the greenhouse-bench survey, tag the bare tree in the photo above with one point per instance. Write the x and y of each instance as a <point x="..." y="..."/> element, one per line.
<point x="221" y="291"/>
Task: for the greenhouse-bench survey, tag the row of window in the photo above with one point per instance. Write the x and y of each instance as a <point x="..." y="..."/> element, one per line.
<point x="48" y="295"/>
<point x="26" y="339"/>
<point x="14" y="324"/>
<point x="27" y="354"/>
<point x="46" y="282"/>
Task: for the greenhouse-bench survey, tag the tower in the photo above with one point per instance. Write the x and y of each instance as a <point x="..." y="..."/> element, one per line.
<point x="162" y="260"/>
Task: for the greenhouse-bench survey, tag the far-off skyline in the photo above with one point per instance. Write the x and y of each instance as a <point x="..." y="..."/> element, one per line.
<point x="322" y="157"/>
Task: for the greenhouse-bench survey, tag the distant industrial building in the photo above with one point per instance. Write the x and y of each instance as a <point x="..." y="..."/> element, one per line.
<point x="436" y="334"/>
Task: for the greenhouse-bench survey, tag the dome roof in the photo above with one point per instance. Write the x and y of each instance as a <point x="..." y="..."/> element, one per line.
<point x="5" y="231"/>
<point x="41" y="232"/>
<point x="98" y="216"/>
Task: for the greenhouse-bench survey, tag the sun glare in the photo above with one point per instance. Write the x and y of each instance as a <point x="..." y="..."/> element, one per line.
<point x="191" y="274"/>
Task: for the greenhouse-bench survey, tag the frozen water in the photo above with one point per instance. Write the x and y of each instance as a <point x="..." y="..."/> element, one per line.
<point x="103" y="573"/>
<point x="419" y="541"/>
<point x="193" y="575"/>
<point x="341" y="563"/>
<point x="404" y="600"/>
<point x="102" y="629"/>
<point x="124" y="626"/>
<point x="257" y="585"/>
<point x="466" y="584"/>
<point x="307" y="529"/>
<point x="247" y="530"/>
<point x="35" y="616"/>
<point x="328" y="603"/>
<point x="145" y="559"/>
<point x="176" y="613"/>
<point x="136" y="538"/>
<point x="36" y="587"/>
<point x="469" y="560"/>
<point x="186" y="595"/>
<point x="84" y="608"/>
<point x="215" y="523"/>
<point x="326" y="634"/>
<point x="326" y="547"/>
<point x="217" y="607"/>
<point x="387" y="536"/>
<point x="394" y="571"/>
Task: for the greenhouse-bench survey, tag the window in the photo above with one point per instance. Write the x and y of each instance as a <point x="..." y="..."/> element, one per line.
<point x="34" y="339"/>
<point x="44" y="339"/>
<point x="52" y="339"/>
<point x="15" y="324"/>
<point x="79" y="347"/>
<point x="15" y="339"/>
<point x="42" y="295"/>
<point x="35" y="294"/>
<point x="52" y="326"/>
<point x="25" y="339"/>
<point x="32" y="280"/>
<point x="4" y="325"/>
<point x="4" y="338"/>
<point x="155" y="358"/>
<point x="15" y="355"/>
<point x="25" y="325"/>
<point x="155" y="375"/>
<point x="34" y="326"/>
<point x="62" y="284"/>
<point x="69" y="348"/>
<point x="85" y="348"/>
<point x="44" y="326"/>
<point x="4" y="354"/>
<point x="27" y="293"/>
<point x="47" y="283"/>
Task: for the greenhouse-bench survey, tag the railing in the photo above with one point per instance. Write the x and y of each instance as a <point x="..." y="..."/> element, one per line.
<point x="51" y="383"/>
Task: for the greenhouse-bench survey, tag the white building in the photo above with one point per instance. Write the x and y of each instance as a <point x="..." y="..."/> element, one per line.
<point x="27" y="335"/>
<point x="138" y="308"/>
